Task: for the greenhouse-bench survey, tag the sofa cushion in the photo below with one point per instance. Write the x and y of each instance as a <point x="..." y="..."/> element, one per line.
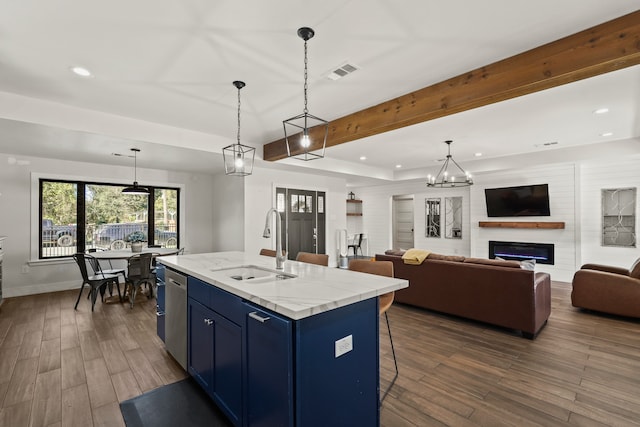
<point x="634" y="271"/>
<point x="494" y="262"/>
<point x="396" y="252"/>
<point x="438" y="257"/>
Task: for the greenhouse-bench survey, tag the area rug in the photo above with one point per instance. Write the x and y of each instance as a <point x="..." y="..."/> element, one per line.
<point x="179" y="404"/>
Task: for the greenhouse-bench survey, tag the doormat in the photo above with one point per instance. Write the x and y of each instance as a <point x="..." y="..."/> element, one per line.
<point x="182" y="403"/>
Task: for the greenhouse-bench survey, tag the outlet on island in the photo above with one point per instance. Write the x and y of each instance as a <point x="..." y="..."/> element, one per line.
<point x="344" y="345"/>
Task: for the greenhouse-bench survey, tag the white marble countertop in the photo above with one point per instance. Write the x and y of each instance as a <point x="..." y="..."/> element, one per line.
<point x="314" y="289"/>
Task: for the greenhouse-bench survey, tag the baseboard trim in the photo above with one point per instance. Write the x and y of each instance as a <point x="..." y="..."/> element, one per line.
<point x="39" y="289"/>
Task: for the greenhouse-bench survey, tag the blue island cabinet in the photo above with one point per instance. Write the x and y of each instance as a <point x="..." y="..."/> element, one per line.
<point x="264" y="369"/>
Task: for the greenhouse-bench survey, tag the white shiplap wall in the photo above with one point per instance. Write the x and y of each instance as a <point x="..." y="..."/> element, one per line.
<point x="595" y="177"/>
<point x="562" y="190"/>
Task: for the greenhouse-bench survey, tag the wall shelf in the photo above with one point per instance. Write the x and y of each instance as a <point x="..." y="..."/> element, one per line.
<point x="521" y="224"/>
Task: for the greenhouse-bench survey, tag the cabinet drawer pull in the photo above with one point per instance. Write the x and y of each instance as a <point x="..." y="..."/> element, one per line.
<point x="255" y="315"/>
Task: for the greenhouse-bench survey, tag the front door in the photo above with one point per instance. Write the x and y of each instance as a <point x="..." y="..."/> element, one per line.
<point x="303" y="221"/>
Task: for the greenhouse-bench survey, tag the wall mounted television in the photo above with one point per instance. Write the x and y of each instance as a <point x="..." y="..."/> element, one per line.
<point x="524" y="200"/>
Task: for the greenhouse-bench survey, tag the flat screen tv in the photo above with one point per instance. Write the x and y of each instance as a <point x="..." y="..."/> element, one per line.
<point x="524" y="200"/>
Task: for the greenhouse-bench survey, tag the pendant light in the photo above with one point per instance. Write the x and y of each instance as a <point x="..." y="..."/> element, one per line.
<point x="135" y="189"/>
<point x="238" y="158"/>
<point x="305" y="133"/>
<point x="456" y="177"/>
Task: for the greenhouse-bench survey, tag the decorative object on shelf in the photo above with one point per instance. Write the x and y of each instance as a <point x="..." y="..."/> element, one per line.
<point x="136" y="189"/>
<point x="238" y="158"/>
<point x="136" y="239"/>
<point x="352" y="196"/>
<point x="446" y="178"/>
<point x="305" y="125"/>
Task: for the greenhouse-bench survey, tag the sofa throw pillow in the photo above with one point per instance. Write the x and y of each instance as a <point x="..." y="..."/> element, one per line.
<point x="396" y="252"/>
<point x="528" y="264"/>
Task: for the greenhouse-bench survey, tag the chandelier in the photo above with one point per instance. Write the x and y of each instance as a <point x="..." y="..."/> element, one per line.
<point x="238" y="158"/>
<point x="456" y="177"/>
<point x="305" y="133"/>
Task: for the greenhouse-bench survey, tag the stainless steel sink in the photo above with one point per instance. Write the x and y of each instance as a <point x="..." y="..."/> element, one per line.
<point x="253" y="274"/>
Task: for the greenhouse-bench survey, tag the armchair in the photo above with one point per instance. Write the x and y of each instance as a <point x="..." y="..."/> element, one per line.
<point x="608" y="289"/>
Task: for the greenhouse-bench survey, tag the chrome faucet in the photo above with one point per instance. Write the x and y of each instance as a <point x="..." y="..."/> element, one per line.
<point x="280" y="257"/>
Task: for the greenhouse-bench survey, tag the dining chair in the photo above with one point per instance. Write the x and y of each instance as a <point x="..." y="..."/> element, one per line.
<point x="97" y="267"/>
<point x="381" y="268"/>
<point x="319" y="259"/>
<point x="97" y="282"/>
<point x="355" y="246"/>
<point x="139" y="272"/>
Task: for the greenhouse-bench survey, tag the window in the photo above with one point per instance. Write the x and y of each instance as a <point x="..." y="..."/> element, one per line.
<point x="77" y="216"/>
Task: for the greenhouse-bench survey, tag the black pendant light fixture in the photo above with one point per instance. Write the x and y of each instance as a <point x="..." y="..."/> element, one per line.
<point x="135" y="189"/>
<point x="456" y="177"/>
<point x="305" y="133"/>
<point x="238" y="158"/>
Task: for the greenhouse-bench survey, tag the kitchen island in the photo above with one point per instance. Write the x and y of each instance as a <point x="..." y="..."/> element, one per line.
<point x="292" y="347"/>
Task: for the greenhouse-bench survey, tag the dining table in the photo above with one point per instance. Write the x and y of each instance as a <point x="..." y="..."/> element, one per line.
<point x="127" y="253"/>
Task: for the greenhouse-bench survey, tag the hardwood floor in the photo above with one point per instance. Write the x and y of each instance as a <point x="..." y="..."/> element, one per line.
<point x="60" y="367"/>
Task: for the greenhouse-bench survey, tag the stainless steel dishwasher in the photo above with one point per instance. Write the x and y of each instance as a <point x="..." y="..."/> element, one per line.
<point x="176" y="316"/>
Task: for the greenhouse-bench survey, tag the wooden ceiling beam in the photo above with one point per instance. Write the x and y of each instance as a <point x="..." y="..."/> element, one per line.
<point x="607" y="47"/>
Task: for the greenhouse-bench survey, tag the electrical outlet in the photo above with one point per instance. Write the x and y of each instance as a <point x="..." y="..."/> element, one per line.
<point x="344" y="345"/>
<point x="25" y="268"/>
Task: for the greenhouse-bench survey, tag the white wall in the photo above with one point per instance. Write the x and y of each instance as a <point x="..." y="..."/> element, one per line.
<point x="228" y="213"/>
<point x="260" y="197"/>
<point x="562" y="204"/>
<point x="595" y="177"/>
<point x="23" y="274"/>
<point x="377" y="216"/>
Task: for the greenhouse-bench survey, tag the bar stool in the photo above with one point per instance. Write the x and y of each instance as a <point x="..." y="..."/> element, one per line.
<point x="381" y="268"/>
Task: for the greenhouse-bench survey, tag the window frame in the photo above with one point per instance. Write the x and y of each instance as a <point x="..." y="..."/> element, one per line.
<point x="81" y="183"/>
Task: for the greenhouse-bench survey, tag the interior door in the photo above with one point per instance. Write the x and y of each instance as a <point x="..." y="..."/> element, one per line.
<point x="403" y="222"/>
<point x="303" y="220"/>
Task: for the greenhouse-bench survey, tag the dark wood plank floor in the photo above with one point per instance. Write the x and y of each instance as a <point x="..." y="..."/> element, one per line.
<point x="60" y="367"/>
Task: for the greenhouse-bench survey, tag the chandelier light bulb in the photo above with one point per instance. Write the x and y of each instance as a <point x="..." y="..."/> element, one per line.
<point x="305" y="141"/>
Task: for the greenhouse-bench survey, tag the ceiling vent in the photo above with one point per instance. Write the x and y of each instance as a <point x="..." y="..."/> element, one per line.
<point x="342" y="71"/>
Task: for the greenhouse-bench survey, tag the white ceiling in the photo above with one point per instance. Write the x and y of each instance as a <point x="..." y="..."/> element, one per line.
<point x="163" y="71"/>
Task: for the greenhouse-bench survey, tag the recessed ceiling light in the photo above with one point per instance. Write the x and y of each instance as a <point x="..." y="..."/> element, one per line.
<point x="398" y="166"/>
<point x="478" y="154"/>
<point x="601" y="111"/>
<point x="81" y="71"/>
<point x="363" y="157"/>
<point x="607" y="134"/>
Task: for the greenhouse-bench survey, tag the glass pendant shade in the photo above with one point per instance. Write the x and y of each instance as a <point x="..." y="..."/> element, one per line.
<point x="450" y="174"/>
<point x="135" y="189"/>
<point x="238" y="158"/>
<point x="305" y="134"/>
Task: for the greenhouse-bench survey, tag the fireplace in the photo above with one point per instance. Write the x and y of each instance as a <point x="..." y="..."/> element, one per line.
<point x="541" y="252"/>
